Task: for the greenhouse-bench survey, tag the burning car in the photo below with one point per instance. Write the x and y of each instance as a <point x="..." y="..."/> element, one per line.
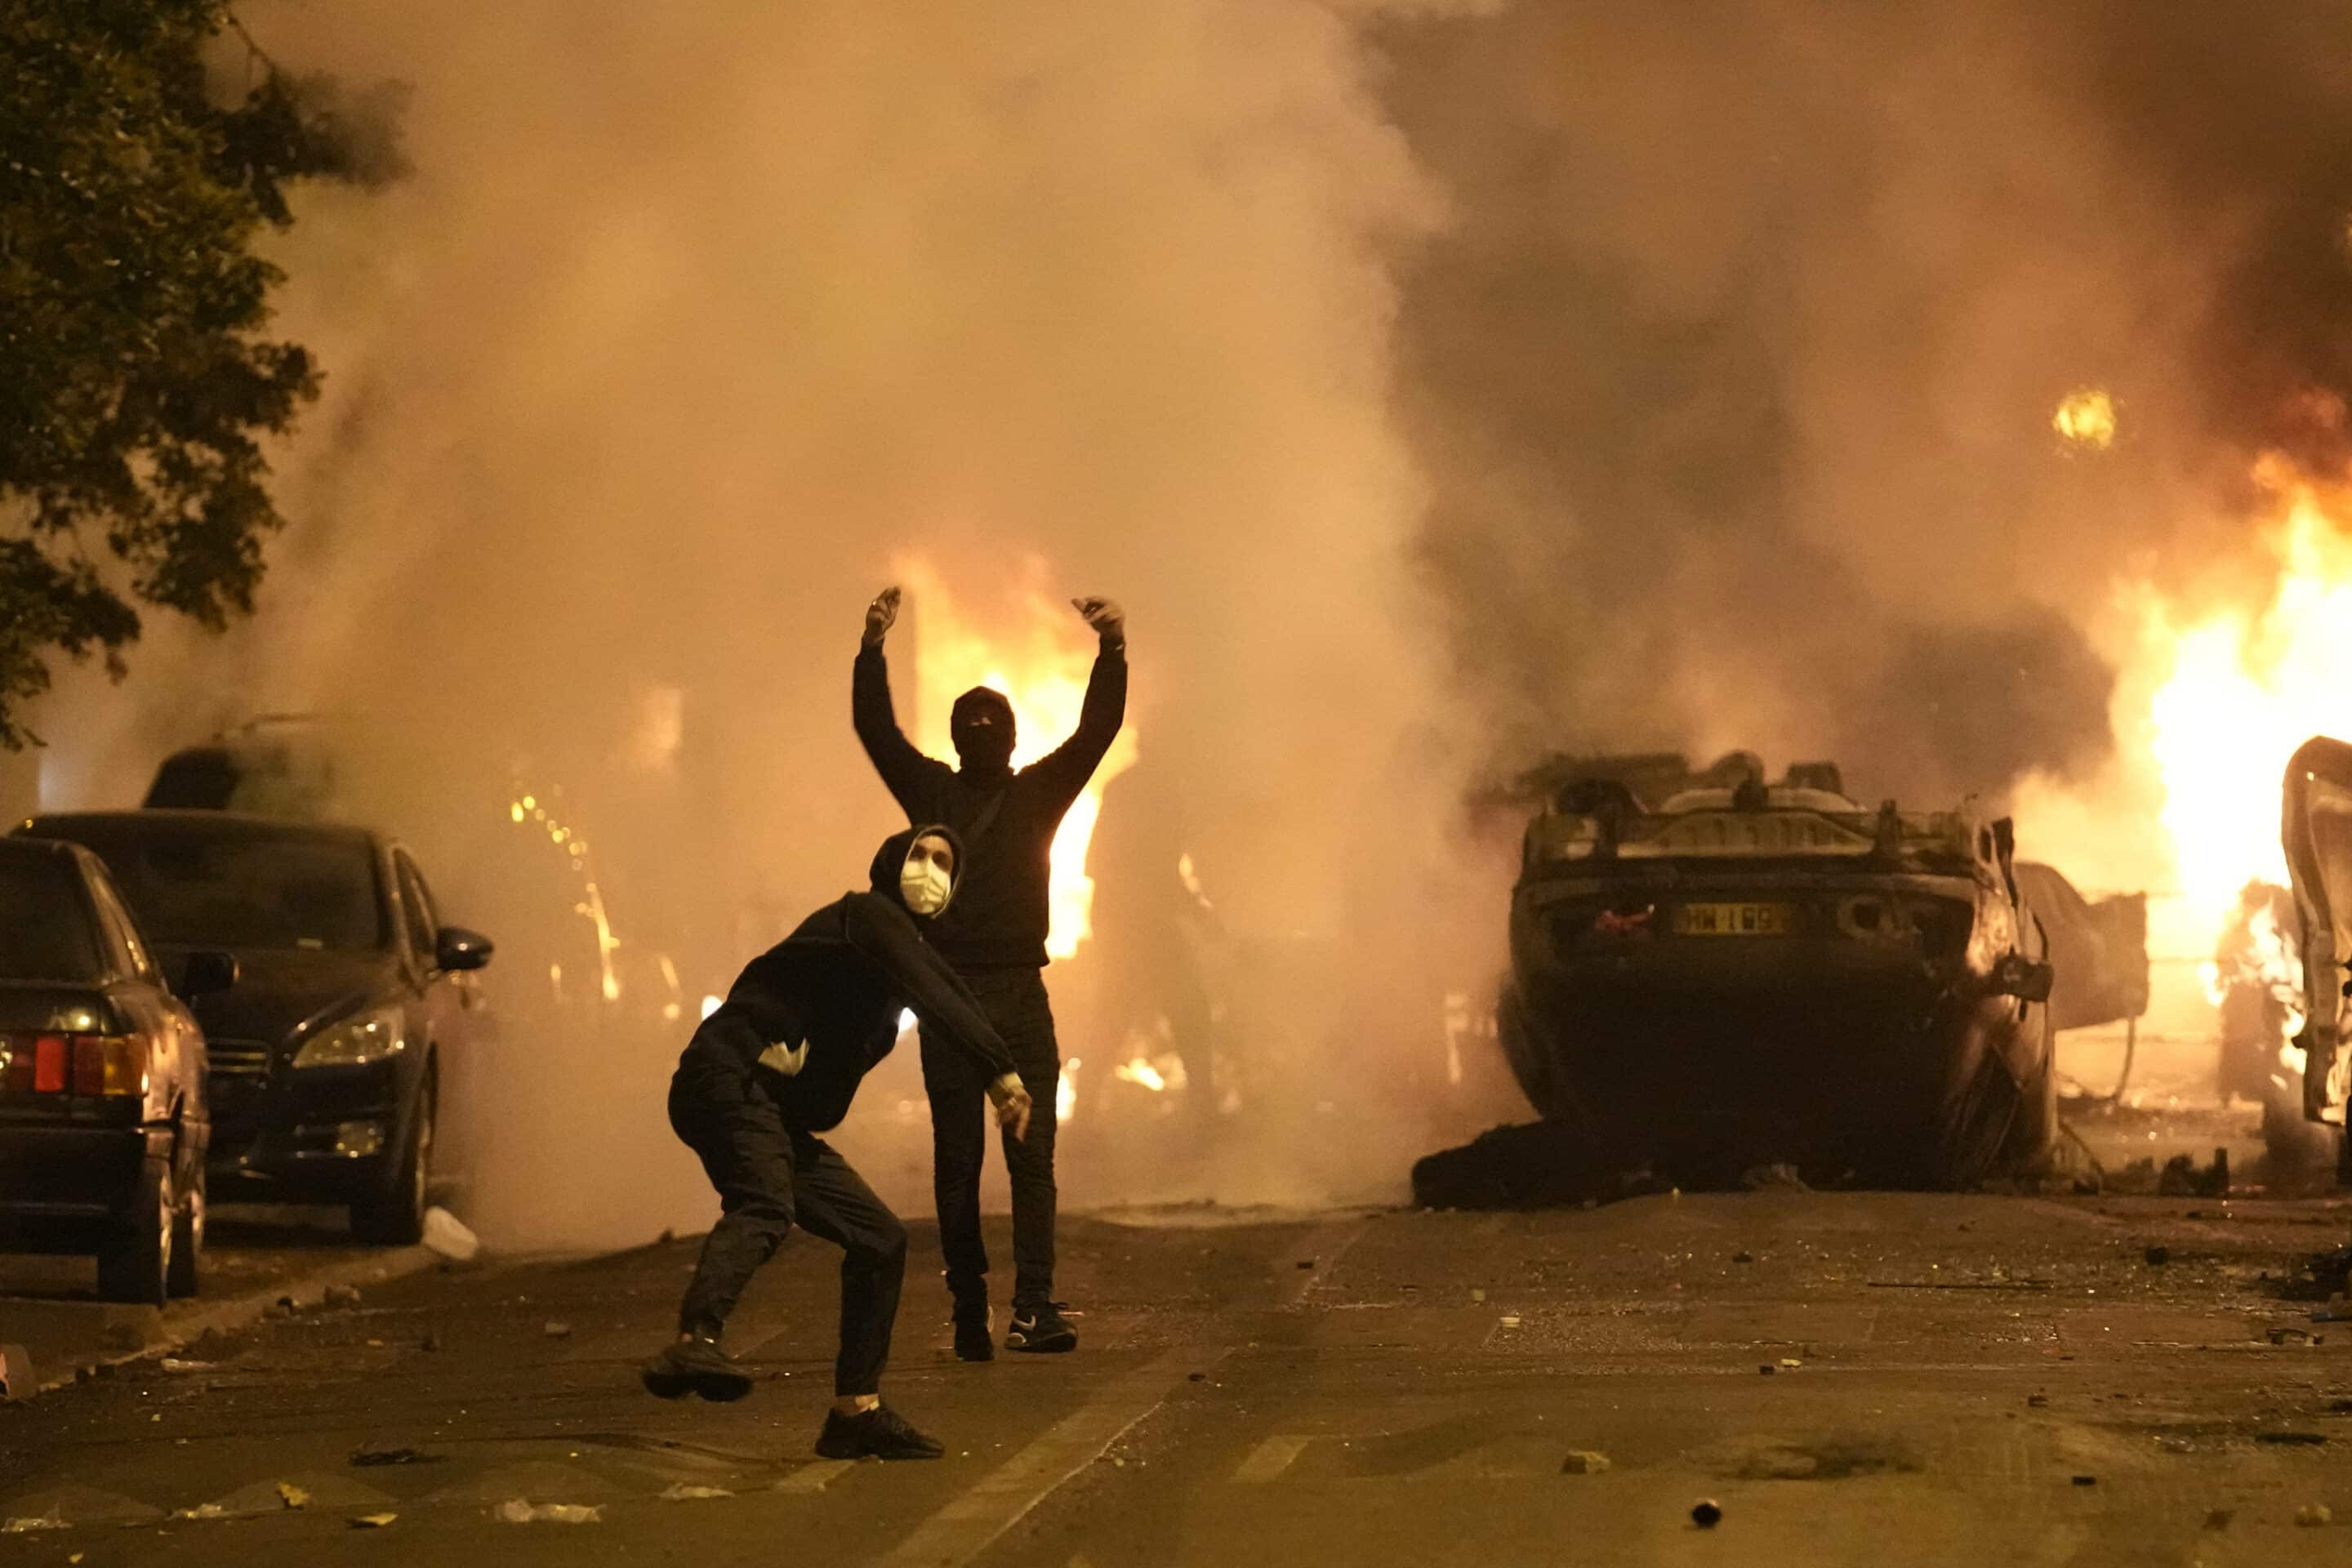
<point x="2317" y="833"/>
<point x="1710" y="972"/>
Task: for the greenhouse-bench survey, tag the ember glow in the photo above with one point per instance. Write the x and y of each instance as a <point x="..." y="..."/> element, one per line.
<point x="2086" y="418"/>
<point x="1038" y="655"/>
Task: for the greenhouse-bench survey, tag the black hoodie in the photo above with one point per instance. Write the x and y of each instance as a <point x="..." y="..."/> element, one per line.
<point x="1011" y="814"/>
<point x="837" y="985"/>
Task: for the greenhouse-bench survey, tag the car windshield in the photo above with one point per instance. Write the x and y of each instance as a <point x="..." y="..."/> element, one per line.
<point x="198" y="885"/>
<point x="47" y="929"/>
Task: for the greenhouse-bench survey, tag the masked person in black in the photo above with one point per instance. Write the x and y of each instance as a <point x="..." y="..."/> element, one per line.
<point x="777" y="1064"/>
<point x="996" y="938"/>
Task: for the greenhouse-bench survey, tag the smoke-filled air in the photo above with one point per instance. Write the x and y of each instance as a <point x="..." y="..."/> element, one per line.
<point x="1946" y="391"/>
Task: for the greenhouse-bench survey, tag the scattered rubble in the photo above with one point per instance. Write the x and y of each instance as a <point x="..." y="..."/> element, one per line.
<point x="2313" y="1515"/>
<point x="684" y="1493"/>
<point x="365" y="1456"/>
<point x="516" y="1510"/>
<point x="2157" y="1257"/>
<point x="2182" y="1178"/>
<point x="556" y="1331"/>
<point x="292" y="1495"/>
<point x="1585" y="1462"/>
<point x="16" y="1380"/>
<point x="445" y="1236"/>
<point x="372" y="1521"/>
<point x="342" y="1296"/>
<point x="1707" y="1513"/>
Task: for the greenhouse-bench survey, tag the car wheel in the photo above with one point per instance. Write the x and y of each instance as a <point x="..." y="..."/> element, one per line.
<point x="187" y="1262"/>
<point x="394" y="1216"/>
<point x="1975" y="1122"/>
<point x="2034" y="1130"/>
<point x="136" y="1263"/>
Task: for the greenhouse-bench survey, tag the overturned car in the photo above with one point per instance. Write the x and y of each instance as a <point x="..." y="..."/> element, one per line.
<point x="1711" y="972"/>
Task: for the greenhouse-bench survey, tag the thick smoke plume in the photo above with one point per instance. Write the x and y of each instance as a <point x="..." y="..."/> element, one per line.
<point x="689" y="322"/>
<point x="1735" y="374"/>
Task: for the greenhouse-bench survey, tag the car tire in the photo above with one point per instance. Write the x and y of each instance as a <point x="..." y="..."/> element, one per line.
<point x="136" y="1262"/>
<point x="186" y="1267"/>
<point x="2034" y="1130"/>
<point x="393" y="1215"/>
<point x="1974" y="1127"/>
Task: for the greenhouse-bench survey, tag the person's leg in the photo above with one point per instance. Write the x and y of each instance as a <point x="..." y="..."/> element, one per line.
<point x="1017" y="1004"/>
<point x="744" y="1150"/>
<point x="960" y="1118"/>
<point x="836" y="1203"/>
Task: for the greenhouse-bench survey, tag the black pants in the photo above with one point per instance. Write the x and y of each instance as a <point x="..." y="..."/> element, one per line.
<point x="768" y="1179"/>
<point x="1015" y="1002"/>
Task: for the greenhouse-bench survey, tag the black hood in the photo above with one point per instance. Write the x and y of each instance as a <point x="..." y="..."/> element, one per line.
<point x="982" y="747"/>
<point x="891" y="858"/>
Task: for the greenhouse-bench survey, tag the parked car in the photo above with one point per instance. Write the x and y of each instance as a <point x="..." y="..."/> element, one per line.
<point x="103" y="1110"/>
<point x="328" y="1058"/>
<point x="1710" y="972"/>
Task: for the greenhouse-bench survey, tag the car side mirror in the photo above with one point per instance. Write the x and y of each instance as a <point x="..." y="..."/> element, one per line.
<point x="459" y="948"/>
<point x="2027" y="979"/>
<point x="206" y="974"/>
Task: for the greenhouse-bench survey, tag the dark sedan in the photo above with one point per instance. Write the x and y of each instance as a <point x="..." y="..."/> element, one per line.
<point x="329" y="1056"/>
<point x="103" y="1119"/>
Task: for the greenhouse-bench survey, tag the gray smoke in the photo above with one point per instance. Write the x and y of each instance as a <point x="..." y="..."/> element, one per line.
<point x="1735" y="372"/>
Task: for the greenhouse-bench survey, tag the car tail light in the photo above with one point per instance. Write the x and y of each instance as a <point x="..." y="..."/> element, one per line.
<point x="91" y="1065"/>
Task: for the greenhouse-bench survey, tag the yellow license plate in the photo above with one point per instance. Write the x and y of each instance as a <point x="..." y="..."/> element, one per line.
<point x="1735" y="920"/>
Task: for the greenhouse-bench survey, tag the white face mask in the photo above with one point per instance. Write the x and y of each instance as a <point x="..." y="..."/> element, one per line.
<point x="925" y="885"/>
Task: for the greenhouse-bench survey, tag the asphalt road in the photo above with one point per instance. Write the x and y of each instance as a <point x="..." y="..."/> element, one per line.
<point x="1852" y="1378"/>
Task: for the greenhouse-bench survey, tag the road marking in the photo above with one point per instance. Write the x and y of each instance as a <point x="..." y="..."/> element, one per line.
<point x="974" y="1521"/>
<point x="1325" y="1246"/>
<point x="1270" y="1458"/>
<point x="815" y="1478"/>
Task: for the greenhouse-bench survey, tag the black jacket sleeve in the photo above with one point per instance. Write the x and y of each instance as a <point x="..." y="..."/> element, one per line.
<point x="1064" y="772"/>
<point x="910" y="775"/>
<point x="886" y="934"/>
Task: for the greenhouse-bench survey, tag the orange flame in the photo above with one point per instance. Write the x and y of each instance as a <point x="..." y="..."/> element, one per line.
<point x="1040" y="660"/>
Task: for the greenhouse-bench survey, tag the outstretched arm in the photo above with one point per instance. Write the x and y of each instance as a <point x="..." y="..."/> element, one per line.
<point x="1065" y="770"/>
<point x="886" y="935"/>
<point x="904" y="769"/>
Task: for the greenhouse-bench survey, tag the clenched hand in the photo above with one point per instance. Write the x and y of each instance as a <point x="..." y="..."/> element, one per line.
<point x="1108" y="619"/>
<point x="881" y="616"/>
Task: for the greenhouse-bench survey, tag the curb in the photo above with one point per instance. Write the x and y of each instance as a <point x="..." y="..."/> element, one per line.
<point x="236" y="1312"/>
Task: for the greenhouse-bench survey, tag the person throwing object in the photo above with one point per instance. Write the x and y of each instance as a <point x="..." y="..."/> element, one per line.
<point x="777" y="1064"/>
<point x="995" y="939"/>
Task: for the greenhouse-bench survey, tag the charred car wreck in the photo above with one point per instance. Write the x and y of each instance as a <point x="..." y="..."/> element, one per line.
<point x="1711" y="972"/>
<point x="2317" y="833"/>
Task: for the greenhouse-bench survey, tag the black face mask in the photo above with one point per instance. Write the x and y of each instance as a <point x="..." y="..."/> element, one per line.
<point x="980" y="724"/>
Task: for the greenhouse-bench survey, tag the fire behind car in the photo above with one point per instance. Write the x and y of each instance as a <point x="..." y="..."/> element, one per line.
<point x="328" y="1057"/>
<point x="103" y="1114"/>
<point x="1710" y="973"/>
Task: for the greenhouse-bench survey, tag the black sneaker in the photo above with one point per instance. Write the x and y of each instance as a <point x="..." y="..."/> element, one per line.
<point x="975" y="1335"/>
<point x="881" y="1433"/>
<point x="1042" y="1329"/>
<point x="695" y="1366"/>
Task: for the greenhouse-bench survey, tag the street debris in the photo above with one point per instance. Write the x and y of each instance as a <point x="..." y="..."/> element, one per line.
<point x="2290" y="1439"/>
<point x="2086" y="1480"/>
<point x="372" y="1521"/>
<point x="1510" y="1322"/>
<point x="182" y="1368"/>
<point x="516" y="1510"/>
<point x="684" y="1493"/>
<point x="2157" y="1257"/>
<point x="429" y="1343"/>
<point x="2294" y="1337"/>
<point x="445" y="1234"/>
<point x="1584" y="1462"/>
<point x="2313" y="1515"/>
<point x="1707" y="1513"/>
<point x="26" y="1526"/>
<point x="292" y="1495"/>
<point x="16" y="1381"/>
<point x="2220" y="1518"/>
<point x="556" y="1331"/>
<point x="1743" y="1257"/>
<point x="202" y="1510"/>
<point x="342" y="1296"/>
<point x="2037" y="1400"/>
<point x="2182" y="1178"/>
<point x="1781" y="1174"/>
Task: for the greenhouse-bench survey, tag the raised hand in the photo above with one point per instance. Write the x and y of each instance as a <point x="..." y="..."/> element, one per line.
<point x="881" y="615"/>
<point x="1108" y="619"/>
